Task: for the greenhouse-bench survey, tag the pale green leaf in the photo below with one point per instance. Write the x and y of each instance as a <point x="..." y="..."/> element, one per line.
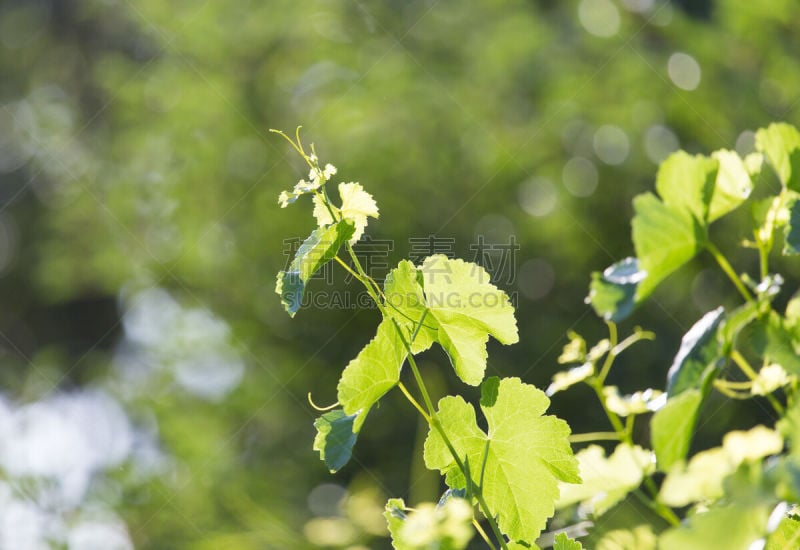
<point x="780" y="142"/>
<point x="563" y="542"/>
<point x="733" y="184"/>
<point x="672" y="428"/>
<point x="405" y="303"/>
<point x="335" y="438"/>
<point x="427" y="526"/>
<point x="372" y="373"/>
<point x="665" y="238"/>
<point x="606" y="480"/>
<point x="565" y="379"/>
<point x="774" y="341"/>
<point x="734" y="527"/>
<point x="467" y="309"/>
<point x="786" y="536"/>
<point x="685" y="183"/>
<point x="638" y="402"/>
<point x="518" y="463"/>
<point x="318" y="249"/>
<point x="699" y="356"/>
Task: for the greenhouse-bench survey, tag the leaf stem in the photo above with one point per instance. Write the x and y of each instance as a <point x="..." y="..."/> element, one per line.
<point x="742" y="363"/>
<point x="483" y="534"/>
<point x="612" y="353"/>
<point x="594" y="436"/>
<point x="729" y="271"/>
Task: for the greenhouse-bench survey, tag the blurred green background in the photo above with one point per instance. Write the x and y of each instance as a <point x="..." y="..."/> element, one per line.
<point x="153" y="390"/>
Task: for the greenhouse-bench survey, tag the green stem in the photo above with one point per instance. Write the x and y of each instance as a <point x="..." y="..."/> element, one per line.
<point x="742" y="363"/>
<point x="659" y="508"/>
<point x="594" y="436"/>
<point x="729" y="271"/>
<point x="612" y="354"/>
<point x="483" y="534"/>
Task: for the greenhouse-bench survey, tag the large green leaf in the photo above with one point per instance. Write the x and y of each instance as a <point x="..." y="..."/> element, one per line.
<point x="672" y="427"/>
<point x="405" y="303"/>
<point x="665" y="237"/>
<point x="335" y="438"/>
<point x="733" y="527"/>
<point x="699" y="355"/>
<point x="685" y="183"/>
<point x="467" y="309"/>
<point x="780" y="142"/>
<point x="318" y="249"/>
<point x="517" y="464"/>
<point x="372" y="373"/>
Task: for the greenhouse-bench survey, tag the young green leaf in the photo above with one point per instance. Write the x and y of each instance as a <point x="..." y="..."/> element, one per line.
<point x="733" y="184"/>
<point x="428" y="526"/>
<point x="405" y="303"/>
<point x="357" y="205"/>
<point x="699" y="355"/>
<point x="733" y="527"/>
<point x="780" y="143"/>
<point x="563" y="542"/>
<point x="335" y="438"/>
<point x="318" y="249"/>
<point x="665" y="237"/>
<point x="372" y="373"/>
<point x="606" y="480"/>
<point x="773" y="340"/>
<point x="612" y="293"/>
<point x="467" y="309"/>
<point x="685" y="183"/>
<point x="517" y="464"/>
<point x="672" y="428"/>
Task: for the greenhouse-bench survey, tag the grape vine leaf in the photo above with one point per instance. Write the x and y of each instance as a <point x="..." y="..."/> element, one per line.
<point x="374" y="371"/>
<point x="733" y="184"/>
<point x="405" y="303"/>
<point x="665" y="238"/>
<point x="780" y="143"/>
<point x="606" y="480"/>
<point x="357" y="204"/>
<point x="672" y="427"/>
<point x="563" y="542"/>
<point x="612" y="293"/>
<point x="786" y="536"/>
<point x="318" y="249"/>
<point x="444" y="527"/>
<point x="467" y="309"/>
<point x="699" y="355"/>
<point x="517" y="464"/>
<point x="335" y="438"/>
<point x="737" y="525"/>
<point x="686" y="183"/>
<point x="774" y="340"/>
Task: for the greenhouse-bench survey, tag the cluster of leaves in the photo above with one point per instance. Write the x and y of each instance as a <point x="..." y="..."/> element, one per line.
<point x="519" y="471"/>
<point x="508" y="474"/>
<point x="743" y="493"/>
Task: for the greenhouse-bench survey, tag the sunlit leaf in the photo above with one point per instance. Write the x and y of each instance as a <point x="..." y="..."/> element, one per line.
<point x="563" y="542"/>
<point x="733" y="184"/>
<point x="606" y="480"/>
<point x="372" y="373"/>
<point x="685" y="183"/>
<point x="780" y="142"/>
<point x="665" y="238"/>
<point x="405" y="303"/>
<point x="428" y="526"/>
<point x="518" y="463"/>
<point x="467" y="309"/>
